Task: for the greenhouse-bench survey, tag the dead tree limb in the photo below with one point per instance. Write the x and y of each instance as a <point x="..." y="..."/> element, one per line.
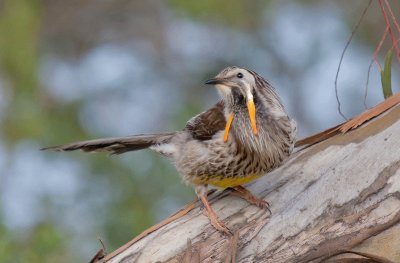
<point x="339" y="195"/>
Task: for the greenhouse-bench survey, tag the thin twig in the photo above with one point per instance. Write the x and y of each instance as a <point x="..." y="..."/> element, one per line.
<point x="100" y="254"/>
<point x="378" y="48"/>
<point x="397" y="27"/>
<point x="390" y="29"/>
<point x="342" y="55"/>
<point x="393" y="16"/>
<point x="102" y="245"/>
<point x="351" y="124"/>
<point x="371" y="113"/>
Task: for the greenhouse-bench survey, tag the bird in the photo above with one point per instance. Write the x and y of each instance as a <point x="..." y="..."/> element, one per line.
<point x="245" y="135"/>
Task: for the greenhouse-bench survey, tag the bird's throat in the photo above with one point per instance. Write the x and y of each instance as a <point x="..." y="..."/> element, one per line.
<point x="252" y="115"/>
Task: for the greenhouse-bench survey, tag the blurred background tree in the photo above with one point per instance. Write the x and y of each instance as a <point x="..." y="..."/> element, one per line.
<point x="74" y="70"/>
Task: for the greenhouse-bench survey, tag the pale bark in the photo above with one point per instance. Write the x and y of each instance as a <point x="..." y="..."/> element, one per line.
<point x="341" y="194"/>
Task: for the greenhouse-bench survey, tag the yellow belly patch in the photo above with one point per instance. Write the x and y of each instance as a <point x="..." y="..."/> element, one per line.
<point x="225" y="182"/>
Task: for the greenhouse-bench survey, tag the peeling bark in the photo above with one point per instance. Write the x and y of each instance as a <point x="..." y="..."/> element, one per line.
<point x="341" y="194"/>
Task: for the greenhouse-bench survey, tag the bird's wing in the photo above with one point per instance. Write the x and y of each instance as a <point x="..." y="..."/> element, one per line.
<point x="207" y="123"/>
<point x="115" y="145"/>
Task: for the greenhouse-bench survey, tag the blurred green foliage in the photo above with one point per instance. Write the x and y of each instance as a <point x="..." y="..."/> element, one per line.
<point x="45" y="243"/>
<point x="386" y="75"/>
<point x="31" y="113"/>
<point x="19" y="25"/>
<point x="240" y="13"/>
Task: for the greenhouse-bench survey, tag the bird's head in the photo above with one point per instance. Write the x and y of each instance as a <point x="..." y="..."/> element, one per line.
<point x="238" y="87"/>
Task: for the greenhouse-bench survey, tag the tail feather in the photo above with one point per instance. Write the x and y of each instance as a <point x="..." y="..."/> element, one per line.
<point x="116" y="145"/>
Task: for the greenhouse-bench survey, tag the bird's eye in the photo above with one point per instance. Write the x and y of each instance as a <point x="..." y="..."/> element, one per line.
<point x="239" y="75"/>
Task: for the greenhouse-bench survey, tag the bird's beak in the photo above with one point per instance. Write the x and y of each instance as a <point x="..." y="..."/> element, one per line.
<point x="251" y="107"/>
<point x="216" y="81"/>
<point x="211" y="82"/>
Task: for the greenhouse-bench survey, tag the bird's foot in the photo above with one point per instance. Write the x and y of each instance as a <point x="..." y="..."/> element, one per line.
<point x="215" y="221"/>
<point x="249" y="197"/>
<point x="218" y="224"/>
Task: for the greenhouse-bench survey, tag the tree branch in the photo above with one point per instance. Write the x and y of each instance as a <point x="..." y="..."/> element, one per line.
<point x="338" y="195"/>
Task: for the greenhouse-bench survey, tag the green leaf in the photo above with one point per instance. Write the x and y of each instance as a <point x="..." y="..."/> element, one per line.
<point x="386" y="75"/>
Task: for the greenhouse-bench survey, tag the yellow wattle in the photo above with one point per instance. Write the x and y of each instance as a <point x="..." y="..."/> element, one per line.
<point x="228" y="126"/>
<point x="252" y="114"/>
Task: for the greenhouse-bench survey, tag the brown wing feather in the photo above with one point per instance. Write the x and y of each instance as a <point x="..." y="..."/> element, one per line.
<point x="115" y="145"/>
<point x="207" y="123"/>
<point x="202" y="127"/>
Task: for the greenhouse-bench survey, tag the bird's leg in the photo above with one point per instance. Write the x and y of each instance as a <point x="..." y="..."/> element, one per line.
<point x="249" y="197"/>
<point x="201" y="191"/>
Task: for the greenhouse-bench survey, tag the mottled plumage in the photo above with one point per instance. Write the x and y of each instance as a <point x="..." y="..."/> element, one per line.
<point x="254" y="146"/>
